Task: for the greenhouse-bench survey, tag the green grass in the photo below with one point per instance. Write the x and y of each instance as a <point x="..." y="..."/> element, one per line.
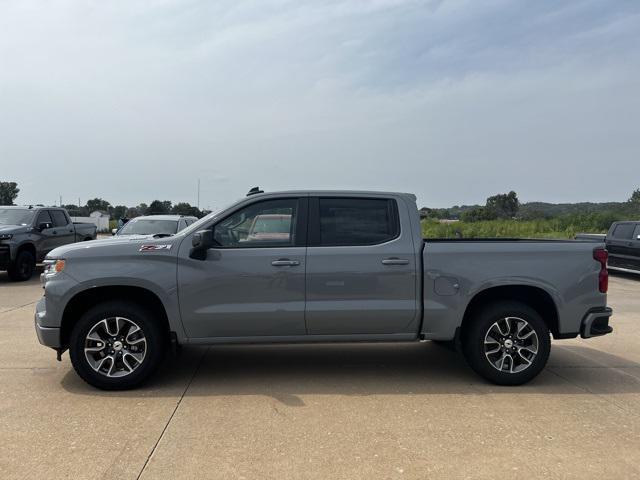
<point x="554" y="228"/>
<point x="565" y="226"/>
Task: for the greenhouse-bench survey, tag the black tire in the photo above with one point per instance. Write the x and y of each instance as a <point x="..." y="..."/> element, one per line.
<point x="22" y="269"/>
<point x="155" y="346"/>
<point x="484" y="327"/>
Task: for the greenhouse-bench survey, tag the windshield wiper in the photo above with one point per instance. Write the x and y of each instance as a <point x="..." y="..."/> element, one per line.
<point x="162" y="235"/>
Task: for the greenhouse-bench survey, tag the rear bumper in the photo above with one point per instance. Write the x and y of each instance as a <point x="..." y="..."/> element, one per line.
<point x="47" y="336"/>
<point x="596" y="323"/>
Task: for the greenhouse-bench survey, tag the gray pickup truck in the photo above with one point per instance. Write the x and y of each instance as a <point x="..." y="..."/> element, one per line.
<point x="27" y="234"/>
<point x="336" y="267"/>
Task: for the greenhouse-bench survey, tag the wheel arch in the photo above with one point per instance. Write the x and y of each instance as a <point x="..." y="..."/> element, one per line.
<point x="85" y="299"/>
<point x="535" y="297"/>
<point x="28" y="246"/>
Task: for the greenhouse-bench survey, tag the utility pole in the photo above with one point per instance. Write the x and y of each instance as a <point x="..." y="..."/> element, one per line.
<point x="198" y="194"/>
<point x="60" y="200"/>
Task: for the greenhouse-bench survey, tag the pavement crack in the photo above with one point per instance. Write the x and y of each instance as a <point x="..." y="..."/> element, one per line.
<point x="186" y="388"/>
<point x="17" y="308"/>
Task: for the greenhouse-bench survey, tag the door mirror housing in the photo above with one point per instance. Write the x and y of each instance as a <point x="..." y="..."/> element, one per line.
<point x="201" y="241"/>
<point x="44" y="225"/>
<point x="114" y="231"/>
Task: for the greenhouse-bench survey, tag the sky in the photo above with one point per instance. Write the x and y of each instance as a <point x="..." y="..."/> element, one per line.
<point x="454" y="101"/>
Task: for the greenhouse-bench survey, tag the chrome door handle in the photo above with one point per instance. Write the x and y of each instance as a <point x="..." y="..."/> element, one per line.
<point x="283" y="262"/>
<point x="395" y="261"/>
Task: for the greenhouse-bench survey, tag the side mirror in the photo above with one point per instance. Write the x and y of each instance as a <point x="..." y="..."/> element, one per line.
<point x="201" y="241"/>
<point x="44" y="225"/>
<point x="114" y="231"/>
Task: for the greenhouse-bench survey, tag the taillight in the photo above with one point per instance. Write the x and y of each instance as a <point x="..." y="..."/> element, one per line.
<point x="601" y="255"/>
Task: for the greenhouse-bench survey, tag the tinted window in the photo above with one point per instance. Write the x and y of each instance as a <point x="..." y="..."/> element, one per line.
<point x="355" y="221"/>
<point x="59" y="218"/>
<point x="44" y="217"/>
<point x="624" y="230"/>
<point x="636" y="234"/>
<point x="265" y="224"/>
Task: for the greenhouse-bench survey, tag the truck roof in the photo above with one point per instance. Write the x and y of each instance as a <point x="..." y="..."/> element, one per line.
<point x="31" y="207"/>
<point x="333" y="193"/>
<point x="161" y="217"/>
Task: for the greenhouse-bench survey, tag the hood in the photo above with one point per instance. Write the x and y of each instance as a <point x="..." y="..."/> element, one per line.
<point x="115" y="245"/>
<point x="14" y="229"/>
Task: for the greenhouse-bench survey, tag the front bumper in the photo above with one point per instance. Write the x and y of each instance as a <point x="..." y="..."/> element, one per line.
<point x="5" y="256"/>
<point x="596" y="323"/>
<point x="47" y="336"/>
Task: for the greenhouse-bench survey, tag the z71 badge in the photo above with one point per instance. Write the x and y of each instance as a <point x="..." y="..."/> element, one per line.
<point x="153" y="248"/>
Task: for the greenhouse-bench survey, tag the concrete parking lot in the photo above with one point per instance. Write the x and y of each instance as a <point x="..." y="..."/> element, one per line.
<point x="324" y="411"/>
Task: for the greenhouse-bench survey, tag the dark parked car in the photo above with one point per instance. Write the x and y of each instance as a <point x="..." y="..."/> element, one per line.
<point x="27" y="234"/>
<point x="623" y="243"/>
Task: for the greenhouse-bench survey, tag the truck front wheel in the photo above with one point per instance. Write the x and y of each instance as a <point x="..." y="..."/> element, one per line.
<point x="116" y="345"/>
<point x="23" y="267"/>
<point x="507" y="343"/>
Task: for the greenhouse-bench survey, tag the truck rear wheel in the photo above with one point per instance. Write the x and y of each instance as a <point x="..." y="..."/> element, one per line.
<point x="116" y="345"/>
<point x="23" y="267"/>
<point x="507" y="343"/>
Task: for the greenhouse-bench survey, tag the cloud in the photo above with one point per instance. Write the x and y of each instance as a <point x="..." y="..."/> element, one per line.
<point x="453" y="100"/>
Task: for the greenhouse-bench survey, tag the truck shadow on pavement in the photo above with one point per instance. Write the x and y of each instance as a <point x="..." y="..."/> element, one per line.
<point x="628" y="276"/>
<point x="287" y="373"/>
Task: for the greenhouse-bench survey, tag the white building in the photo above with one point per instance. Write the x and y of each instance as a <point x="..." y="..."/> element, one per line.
<point x="98" y="218"/>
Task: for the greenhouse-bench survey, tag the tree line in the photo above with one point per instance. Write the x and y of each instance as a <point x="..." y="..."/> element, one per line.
<point x="116" y="212"/>
<point x="9" y="193"/>
<point x="506" y="206"/>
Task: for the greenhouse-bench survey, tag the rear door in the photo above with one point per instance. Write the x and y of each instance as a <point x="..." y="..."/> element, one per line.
<point x="63" y="230"/>
<point x="620" y="245"/>
<point x="361" y="268"/>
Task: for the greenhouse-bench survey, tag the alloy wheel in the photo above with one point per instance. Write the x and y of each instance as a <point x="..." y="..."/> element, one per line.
<point x="115" y="347"/>
<point x="511" y="345"/>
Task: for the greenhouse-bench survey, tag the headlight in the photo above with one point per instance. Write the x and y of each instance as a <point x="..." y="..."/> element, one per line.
<point x="53" y="266"/>
<point x="6" y="236"/>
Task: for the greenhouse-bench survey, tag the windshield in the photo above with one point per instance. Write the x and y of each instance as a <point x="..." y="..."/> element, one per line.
<point x="16" y="216"/>
<point x="149" y="227"/>
<point x="197" y="225"/>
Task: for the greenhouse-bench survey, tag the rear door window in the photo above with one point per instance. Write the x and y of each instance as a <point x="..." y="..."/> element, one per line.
<point x="624" y="231"/>
<point x="357" y="221"/>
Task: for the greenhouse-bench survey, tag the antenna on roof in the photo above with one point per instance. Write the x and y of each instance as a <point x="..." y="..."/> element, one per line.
<point x="254" y="191"/>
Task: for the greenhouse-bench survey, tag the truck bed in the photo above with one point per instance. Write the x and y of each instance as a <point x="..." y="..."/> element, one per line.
<point x="456" y="270"/>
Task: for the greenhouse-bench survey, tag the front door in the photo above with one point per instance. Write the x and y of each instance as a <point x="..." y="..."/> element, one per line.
<point x="635" y="249"/>
<point x="252" y="283"/>
<point x="48" y="240"/>
<point x="361" y="268"/>
<point x="620" y="245"/>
